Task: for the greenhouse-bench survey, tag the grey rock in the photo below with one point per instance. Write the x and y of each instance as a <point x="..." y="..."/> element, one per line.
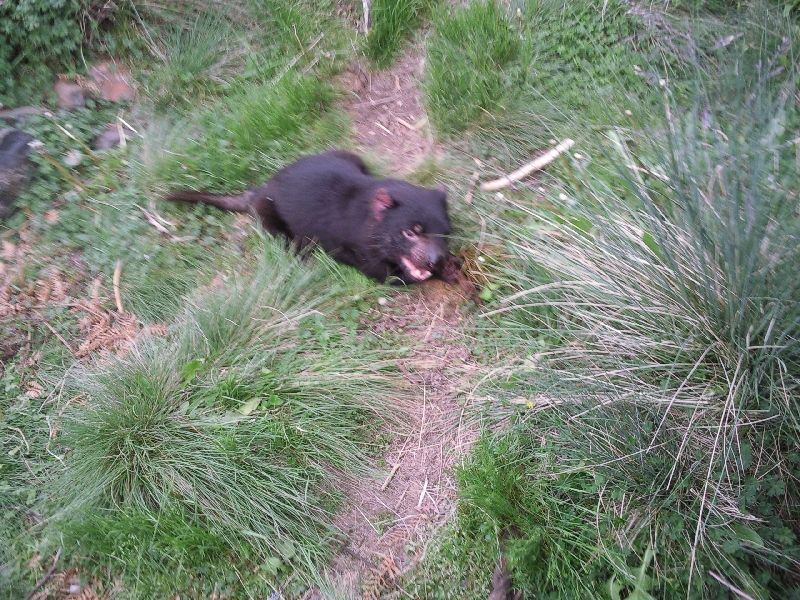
<point x="15" y="166"/>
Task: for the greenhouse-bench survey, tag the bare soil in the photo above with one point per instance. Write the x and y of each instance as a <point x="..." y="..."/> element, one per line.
<point x="389" y="121"/>
<point x="391" y="518"/>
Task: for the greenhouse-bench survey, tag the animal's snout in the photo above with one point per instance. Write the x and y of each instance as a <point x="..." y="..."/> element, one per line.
<point x="431" y="253"/>
<point x="435" y="259"/>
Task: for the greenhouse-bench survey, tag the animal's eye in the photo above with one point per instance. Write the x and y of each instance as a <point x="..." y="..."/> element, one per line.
<point x="417" y="228"/>
<point x="411" y="235"/>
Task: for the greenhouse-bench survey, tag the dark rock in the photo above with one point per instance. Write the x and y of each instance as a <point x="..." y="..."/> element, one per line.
<point x="14" y="166"/>
<point x="70" y="95"/>
<point x="110" y="137"/>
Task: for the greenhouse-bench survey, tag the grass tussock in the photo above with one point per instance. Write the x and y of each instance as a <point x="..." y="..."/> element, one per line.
<point x="663" y="360"/>
<point x="512" y="79"/>
<point x="468" y="53"/>
<point x="242" y="139"/>
<point x="198" y="57"/>
<point x="392" y="21"/>
<point x="238" y="431"/>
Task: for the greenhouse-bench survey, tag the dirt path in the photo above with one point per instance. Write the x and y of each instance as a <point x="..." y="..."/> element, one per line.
<point x="389" y="121"/>
<point x="391" y="518"/>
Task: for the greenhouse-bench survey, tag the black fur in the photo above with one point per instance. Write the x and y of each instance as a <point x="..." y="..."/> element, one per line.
<point x="386" y="228"/>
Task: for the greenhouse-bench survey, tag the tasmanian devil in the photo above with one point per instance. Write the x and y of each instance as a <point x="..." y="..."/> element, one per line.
<point x="386" y="228"/>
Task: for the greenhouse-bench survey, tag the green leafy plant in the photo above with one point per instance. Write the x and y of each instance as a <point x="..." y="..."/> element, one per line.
<point x="34" y="36"/>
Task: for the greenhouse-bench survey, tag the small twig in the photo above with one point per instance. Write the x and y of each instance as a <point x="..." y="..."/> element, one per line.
<point x="153" y="222"/>
<point x="55" y="333"/>
<point x="384" y="128"/>
<point x="52" y="436"/>
<point x="60" y="168"/>
<point x="117" y="297"/>
<point x="315" y="42"/>
<point x="389" y="478"/>
<point x="422" y="495"/>
<point x="121" y="132"/>
<point x="365" y="4"/>
<point x="311" y="65"/>
<point x="302" y="49"/>
<point x="473" y="181"/>
<point x="726" y="41"/>
<point x="396" y="466"/>
<point x="22" y="435"/>
<point x="128" y="125"/>
<point x="403" y="495"/>
<point x="535" y="165"/>
<point x="405" y="123"/>
<point x="386" y="100"/>
<point x="154" y="213"/>
<point x="649" y="172"/>
<point x="422" y="421"/>
<point x="735" y="590"/>
<point x="47" y="575"/>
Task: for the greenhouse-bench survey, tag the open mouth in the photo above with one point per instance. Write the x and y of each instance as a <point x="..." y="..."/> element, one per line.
<point x="414" y="271"/>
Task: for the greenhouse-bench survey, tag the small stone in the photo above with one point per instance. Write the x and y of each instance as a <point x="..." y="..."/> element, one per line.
<point x="73" y="158"/>
<point x="114" y="82"/>
<point x="382" y="301"/>
<point x="70" y="95"/>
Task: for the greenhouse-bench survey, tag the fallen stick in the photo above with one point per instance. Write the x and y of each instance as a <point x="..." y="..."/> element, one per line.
<point x="117" y="297"/>
<point x="153" y="222"/>
<point x="422" y="495"/>
<point x="535" y="165"/>
<point x="473" y="181"/>
<point x="389" y="478"/>
<point x="47" y="575"/>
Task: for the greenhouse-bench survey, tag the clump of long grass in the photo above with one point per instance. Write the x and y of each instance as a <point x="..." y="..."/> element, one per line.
<point x="661" y="325"/>
<point x="507" y="81"/>
<point x="240" y="140"/>
<point x="244" y="423"/>
<point x="467" y="54"/>
<point x="198" y="57"/>
<point x="392" y="21"/>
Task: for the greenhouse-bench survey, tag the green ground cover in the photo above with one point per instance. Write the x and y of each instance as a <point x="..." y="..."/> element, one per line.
<point x="639" y="332"/>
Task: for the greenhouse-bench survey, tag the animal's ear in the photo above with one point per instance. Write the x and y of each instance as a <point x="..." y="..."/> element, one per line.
<point x="381" y="202"/>
<point x="443" y="188"/>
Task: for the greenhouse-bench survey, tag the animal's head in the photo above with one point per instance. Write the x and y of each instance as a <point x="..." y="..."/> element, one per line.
<point x="411" y="226"/>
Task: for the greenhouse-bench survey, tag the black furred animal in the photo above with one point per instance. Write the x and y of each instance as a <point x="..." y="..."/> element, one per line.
<point x="386" y="228"/>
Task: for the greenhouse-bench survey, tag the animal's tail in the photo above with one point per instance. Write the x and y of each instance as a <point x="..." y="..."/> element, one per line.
<point x="235" y="202"/>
